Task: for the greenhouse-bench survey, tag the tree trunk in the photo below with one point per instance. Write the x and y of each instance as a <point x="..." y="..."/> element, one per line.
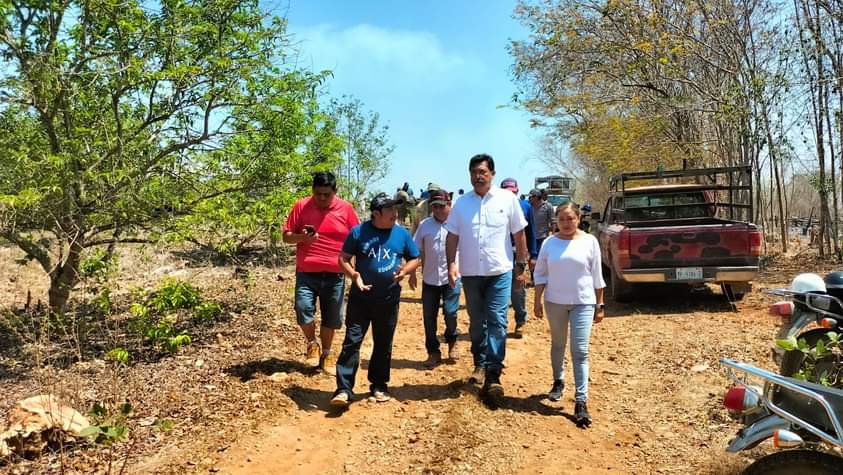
<point x="64" y="277"/>
<point x="835" y="235"/>
<point x="782" y="220"/>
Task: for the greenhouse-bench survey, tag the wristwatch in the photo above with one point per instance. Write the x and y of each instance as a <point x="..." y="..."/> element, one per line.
<point x="601" y="306"/>
<point x="520" y="266"/>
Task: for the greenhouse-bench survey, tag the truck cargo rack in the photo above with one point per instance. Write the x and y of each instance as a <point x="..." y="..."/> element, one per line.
<point x="737" y="181"/>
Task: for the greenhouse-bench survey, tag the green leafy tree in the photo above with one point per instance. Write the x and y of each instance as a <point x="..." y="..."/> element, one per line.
<point x="366" y="148"/>
<point x="120" y="117"/>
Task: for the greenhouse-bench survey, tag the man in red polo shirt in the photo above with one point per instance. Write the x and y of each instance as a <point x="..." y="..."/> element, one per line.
<point x="318" y="226"/>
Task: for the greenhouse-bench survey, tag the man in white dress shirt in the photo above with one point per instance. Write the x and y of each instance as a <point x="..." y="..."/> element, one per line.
<point x="479" y="226"/>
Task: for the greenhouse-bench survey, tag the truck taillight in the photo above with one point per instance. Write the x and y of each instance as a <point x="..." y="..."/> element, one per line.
<point x="623" y="249"/>
<point x="755" y="241"/>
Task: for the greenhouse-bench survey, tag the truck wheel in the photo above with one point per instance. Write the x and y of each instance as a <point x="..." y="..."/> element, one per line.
<point x="621" y="289"/>
<point x="808" y="462"/>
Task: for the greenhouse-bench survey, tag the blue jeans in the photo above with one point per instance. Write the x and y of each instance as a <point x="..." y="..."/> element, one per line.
<point x="450" y="298"/>
<point x="328" y="287"/>
<point x="518" y="298"/>
<point x="579" y="318"/>
<point x="486" y="299"/>
<point x="361" y="313"/>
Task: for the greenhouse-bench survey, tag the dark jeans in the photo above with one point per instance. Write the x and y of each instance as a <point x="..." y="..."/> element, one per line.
<point x="486" y="299"/>
<point x="450" y="298"/>
<point x="360" y="313"/>
<point x="518" y="297"/>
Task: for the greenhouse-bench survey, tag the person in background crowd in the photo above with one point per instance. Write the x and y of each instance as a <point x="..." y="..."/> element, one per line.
<point x="542" y="213"/>
<point x="542" y="217"/>
<point x="430" y="238"/>
<point x="405" y="206"/>
<point x="480" y="227"/>
<point x="519" y="293"/>
<point x="585" y="220"/>
<point x="569" y="276"/>
<point x="318" y="225"/>
<point x="422" y="210"/>
<point x="377" y="246"/>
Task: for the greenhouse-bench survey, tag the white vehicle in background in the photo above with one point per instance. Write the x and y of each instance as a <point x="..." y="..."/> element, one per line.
<point x="560" y="189"/>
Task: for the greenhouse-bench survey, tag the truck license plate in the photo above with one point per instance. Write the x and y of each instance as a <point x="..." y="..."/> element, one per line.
<point x="689" y="273"/>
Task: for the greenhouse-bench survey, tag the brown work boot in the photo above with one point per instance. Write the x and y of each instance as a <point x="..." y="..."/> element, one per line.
<point x="314" y="351"/>
<point x="329" y="363"/>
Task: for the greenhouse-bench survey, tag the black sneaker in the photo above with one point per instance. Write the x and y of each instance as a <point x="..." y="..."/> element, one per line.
<point x="433" y="360"/>
<point x="555" y="393"/>
<point x="581" y="414"/>
<point x="492" y="386"/>
<point x="519" y="331"/>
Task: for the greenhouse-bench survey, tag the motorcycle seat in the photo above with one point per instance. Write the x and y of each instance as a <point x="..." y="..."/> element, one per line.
<point x="809" y="409"/>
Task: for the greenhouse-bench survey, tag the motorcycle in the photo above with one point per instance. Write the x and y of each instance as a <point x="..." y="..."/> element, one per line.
<point x="813" y="309"/>
<point x="805" y="417"/>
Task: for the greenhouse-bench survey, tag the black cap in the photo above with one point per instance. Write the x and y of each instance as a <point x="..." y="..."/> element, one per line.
<point x="382" y="200"/>
<point x="536" y="192"/>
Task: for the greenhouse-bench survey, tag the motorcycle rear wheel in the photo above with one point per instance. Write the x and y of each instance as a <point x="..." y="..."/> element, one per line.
<point x="801" y="461"/>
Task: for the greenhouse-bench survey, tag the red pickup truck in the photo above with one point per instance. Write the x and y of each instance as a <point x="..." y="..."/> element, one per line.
<point x="674" y="233"/>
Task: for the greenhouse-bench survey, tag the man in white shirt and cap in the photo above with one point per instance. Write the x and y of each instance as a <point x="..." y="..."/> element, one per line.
<point x="430" y="238"/>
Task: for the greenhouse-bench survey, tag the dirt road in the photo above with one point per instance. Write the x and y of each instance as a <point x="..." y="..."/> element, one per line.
<point x="241" y="401"/>
<point x="655" y="398"/>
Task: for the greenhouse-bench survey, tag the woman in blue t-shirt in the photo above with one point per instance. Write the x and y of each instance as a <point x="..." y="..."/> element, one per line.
<point x="569" y="275"/>
<point x="378" y="246"/>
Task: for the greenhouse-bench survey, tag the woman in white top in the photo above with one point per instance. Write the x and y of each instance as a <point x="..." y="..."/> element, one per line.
<point x="568" y="274"/>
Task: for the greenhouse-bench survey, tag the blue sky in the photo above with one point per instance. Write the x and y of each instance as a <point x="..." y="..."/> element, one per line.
<point x="436" y="71"/>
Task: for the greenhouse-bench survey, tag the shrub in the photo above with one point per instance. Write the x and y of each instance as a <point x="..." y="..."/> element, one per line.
<point x="174" y="295"/>
<point x="158" y="319"/>
<point x="822" y="363"/>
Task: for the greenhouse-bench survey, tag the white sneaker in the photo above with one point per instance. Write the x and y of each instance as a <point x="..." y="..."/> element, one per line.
<point x="340" y="400"/>
<point x="381" y="395"/>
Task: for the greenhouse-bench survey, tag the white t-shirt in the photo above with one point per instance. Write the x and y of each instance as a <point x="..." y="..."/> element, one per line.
<point x="430" y="239"/>
<point x="484" y="225"/>
<point x="570" y="270"/>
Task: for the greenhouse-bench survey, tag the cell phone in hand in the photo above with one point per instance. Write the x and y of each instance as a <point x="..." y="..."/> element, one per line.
<point x="309" y="229"/>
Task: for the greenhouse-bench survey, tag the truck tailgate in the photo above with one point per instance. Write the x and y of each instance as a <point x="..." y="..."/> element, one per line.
<point x="725" y="244"/>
